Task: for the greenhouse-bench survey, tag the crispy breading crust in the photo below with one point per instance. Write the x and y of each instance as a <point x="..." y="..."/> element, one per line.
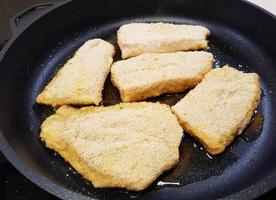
<point x="127" y="145"/>
<point x="150" y="75"/>
<point x="220" y="107"/>
<point x="138" y="38"/>
<point x="81" y="80"/>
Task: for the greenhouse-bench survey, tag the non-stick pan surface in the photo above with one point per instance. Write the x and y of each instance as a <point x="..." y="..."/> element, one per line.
<point x="242" y="36"/>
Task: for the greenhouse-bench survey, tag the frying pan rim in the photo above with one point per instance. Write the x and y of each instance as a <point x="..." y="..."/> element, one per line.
<point x="63" y="192"/>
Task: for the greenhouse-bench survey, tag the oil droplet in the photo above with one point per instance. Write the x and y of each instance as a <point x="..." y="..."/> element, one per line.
<point x="67" y="175"/>
<point x="161" y="183"/>
<point x="243" y="68"/>
<point x="240" y="67"/>
<point x="209" y="156"/>
<point x="217" y="63"/>
<point x="241" y="139"/>
<point x="134" y="196"/>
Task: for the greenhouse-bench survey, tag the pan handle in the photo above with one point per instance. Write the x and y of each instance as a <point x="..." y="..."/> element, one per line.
<point x="23" y="19"/>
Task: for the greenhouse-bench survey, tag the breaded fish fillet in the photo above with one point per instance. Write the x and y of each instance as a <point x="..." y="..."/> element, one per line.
<point x="150" y="75"/>
<point x="81" y="79"/>
<point x="127" y="145"/>
<point x="138" y="38"/>
<point x="220" y="107"/>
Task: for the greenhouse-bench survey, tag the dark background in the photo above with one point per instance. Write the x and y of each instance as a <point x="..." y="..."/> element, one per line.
<point x="9" y="8"/>
<point x="14" y="186"/>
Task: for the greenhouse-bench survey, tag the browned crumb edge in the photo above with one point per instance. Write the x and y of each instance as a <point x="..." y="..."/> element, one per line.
<point x="90" y="173"/>
<point x="215" y="147"/>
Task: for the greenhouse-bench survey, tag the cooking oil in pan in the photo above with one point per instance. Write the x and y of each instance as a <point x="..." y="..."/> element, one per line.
<point x="254" y="128"/>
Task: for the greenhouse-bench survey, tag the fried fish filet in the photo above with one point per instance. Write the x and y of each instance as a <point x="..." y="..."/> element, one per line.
<point x="127" y="145"/>
<point x="138" y="38"/>
<point x="81" y="79"/>
<point x="220" y="107"/>
<point x="150" y="75"/>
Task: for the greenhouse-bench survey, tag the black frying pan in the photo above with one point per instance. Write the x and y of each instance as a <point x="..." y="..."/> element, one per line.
<point x="242" y="36"/>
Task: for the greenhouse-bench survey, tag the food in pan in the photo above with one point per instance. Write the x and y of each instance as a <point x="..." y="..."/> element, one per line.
<point x="127" y="145"/>
<point x="220" y="107"/>
<point x="138" y="38"/>
<point x="81" y="80"/>
<point x="150" y="75"/>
